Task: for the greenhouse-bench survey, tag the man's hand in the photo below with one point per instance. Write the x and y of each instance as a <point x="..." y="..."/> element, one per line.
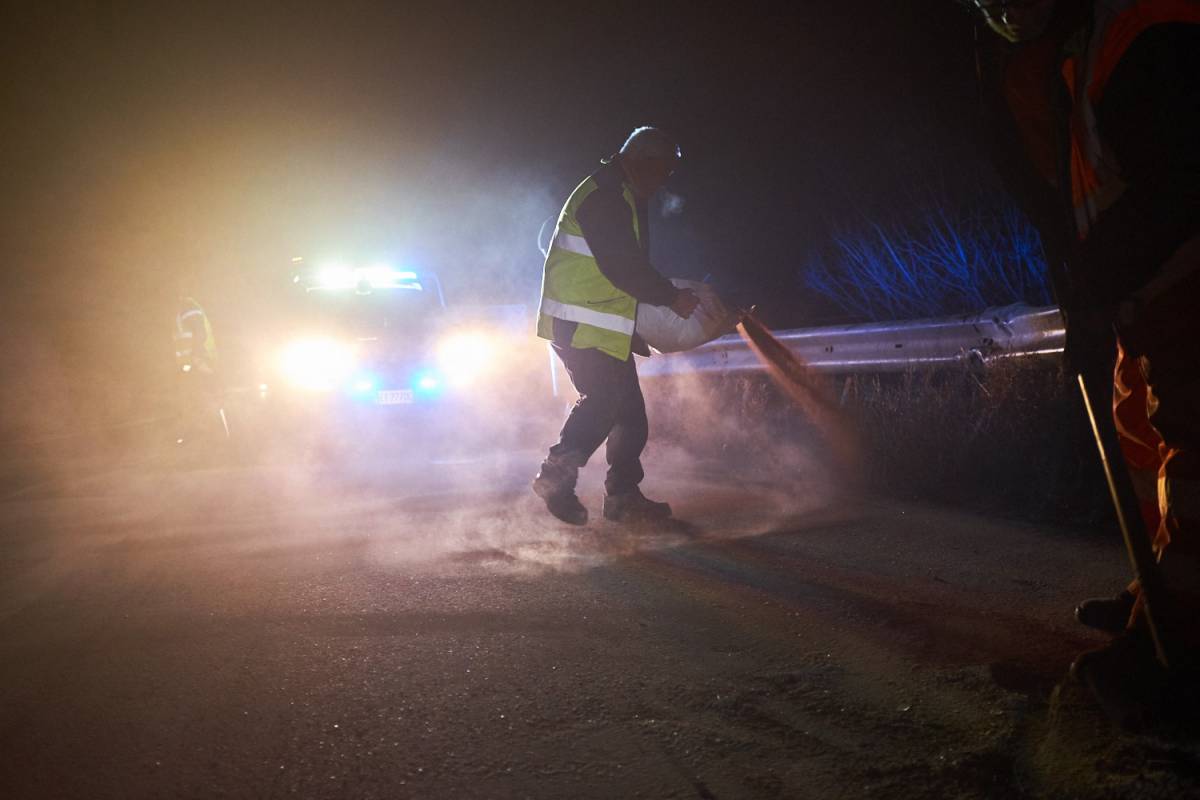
<point x="685" y="303"/>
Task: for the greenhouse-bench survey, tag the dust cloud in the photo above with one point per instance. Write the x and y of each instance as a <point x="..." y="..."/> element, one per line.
<point x="737" y="452"/>
<point x="168" y="152"/>
<point x="396" y="501"/>
<point x="720" y="454"/>
<point x="808" y="391"/>
<point x="165" y="152"/>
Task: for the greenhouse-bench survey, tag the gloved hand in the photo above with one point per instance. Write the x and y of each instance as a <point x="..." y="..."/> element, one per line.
<point x="685" y="303"/>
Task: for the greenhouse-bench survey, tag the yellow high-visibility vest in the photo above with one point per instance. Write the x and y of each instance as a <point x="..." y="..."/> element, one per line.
<point x="574" y="288"/>
<point x="185" y="349"/>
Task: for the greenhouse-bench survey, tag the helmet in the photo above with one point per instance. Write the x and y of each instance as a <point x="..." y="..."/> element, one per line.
<point x="1014" y="20"/>
<point x="649" y="144"/>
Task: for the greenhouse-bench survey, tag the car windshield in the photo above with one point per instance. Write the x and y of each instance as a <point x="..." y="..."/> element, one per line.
<point x="380" y="312"/>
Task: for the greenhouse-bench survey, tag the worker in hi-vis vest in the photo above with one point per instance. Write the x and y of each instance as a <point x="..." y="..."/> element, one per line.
<point x="597" y="271"/>
<point x="199" y="388"/>
<point x="195" y="345"/>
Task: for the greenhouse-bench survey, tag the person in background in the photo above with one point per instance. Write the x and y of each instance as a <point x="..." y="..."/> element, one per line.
<point x="597" y="271"/>
<point x="196" y="366"/>
<point x="1096" y="109"/>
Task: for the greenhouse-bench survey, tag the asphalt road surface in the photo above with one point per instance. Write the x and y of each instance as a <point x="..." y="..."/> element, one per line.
<point x="402" y="626"/>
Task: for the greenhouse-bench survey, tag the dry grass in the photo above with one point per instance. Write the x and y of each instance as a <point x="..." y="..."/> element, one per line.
<point x="1010" y="441"/>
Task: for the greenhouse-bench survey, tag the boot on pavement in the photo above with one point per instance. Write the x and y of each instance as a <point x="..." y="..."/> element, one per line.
<point x="1108" y="614"/>
<point x="555" y="484"/>
<point x="633" y="506"/>
<point x="1125" y="678"/>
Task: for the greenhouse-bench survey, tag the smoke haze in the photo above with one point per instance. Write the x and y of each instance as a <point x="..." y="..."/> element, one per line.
<point x="161" y="149"/>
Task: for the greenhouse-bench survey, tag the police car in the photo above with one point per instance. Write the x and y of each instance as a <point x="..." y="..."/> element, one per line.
<point x="371" y="349"/>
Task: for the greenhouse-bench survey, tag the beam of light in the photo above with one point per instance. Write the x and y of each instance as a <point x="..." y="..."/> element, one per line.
<point x="362" y="385"/>
<point x="378" y="276"/>
<point x="427" y="382"/>
<point x="336" y="276"/>
<point x="468" y="356"/>
<point x="317" y="364"/>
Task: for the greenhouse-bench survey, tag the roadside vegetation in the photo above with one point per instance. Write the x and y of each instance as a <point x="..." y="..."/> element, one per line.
<point x="1010" y="438"/>
<point x="1010" y="441"/>
<point x="942" y="258"/>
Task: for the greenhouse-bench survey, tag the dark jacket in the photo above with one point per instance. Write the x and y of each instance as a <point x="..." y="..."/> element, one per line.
<point x="1149" y="116"/>
<point x="1025" y="112"/>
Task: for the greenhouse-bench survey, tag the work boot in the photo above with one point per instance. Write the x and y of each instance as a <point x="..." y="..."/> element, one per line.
<point x="555" y="484"/>
<point x="1125" y="678"/>
<point x="633" y="506"/>
<point x="1108" y="614"/>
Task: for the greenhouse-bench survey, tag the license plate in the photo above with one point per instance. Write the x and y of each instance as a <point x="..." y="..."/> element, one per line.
<point x="394" y="397"/>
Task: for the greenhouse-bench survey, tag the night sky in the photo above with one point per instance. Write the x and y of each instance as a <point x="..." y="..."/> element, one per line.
<point x="153" y="148"/>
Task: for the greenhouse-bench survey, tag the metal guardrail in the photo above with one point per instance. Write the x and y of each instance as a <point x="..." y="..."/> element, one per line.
<point x="969" y="340"/>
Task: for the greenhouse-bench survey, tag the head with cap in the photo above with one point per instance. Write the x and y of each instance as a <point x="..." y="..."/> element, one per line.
<point x="1015" y="20"/>
<point x="649" y="156"/>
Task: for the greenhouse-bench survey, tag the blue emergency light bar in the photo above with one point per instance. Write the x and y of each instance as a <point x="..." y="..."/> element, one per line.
<point x="377" y="277"/>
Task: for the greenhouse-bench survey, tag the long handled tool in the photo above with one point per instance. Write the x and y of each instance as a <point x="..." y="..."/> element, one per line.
<point x="1137" y="543"/>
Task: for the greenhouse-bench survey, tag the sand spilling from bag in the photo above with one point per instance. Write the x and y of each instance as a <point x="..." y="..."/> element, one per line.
<point x="810" y="392"/>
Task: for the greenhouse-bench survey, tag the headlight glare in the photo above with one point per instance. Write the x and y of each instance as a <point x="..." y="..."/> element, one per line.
<point x="316" y="365"/>
<point x="465" y="357"/>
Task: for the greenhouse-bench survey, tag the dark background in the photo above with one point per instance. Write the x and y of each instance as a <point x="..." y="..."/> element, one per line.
<point x="158" y="148"/>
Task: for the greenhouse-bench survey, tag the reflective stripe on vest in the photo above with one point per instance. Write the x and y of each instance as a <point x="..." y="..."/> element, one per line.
<point x="185" y="347"/>
<point x="1095" y="174"/>
<point x="572" y="244"/>
<point x="597" y="319"/>
<point x="181" y="318"/>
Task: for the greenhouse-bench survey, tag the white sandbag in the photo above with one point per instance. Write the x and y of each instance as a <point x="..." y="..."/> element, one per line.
<point x="667" y="332"/>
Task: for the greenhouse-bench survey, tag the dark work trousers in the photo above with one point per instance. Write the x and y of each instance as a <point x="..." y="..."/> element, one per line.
<point x="611" y="407"/>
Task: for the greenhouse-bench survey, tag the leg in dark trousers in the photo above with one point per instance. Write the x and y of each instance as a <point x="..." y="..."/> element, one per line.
<point x="611" y="407"/>
<point x="627" y="440"/>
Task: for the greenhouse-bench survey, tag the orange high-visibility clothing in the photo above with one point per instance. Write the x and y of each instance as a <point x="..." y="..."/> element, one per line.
<point x="1096" y="182"/>
<point x="1156" y="399"/>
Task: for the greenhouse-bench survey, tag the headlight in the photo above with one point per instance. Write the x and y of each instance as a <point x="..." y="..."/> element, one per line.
<point x="317" y="365"/>
<point x="466" y="357"/>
